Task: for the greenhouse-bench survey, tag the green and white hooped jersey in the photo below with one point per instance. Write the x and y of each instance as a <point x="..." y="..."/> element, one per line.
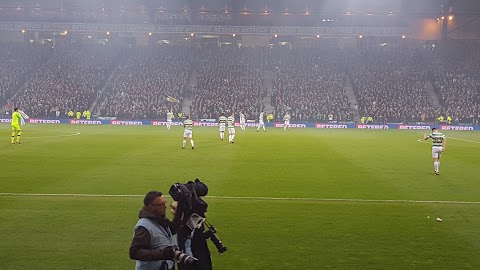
<point x="188" y="124"/>
<point x="231" y="122"/>
<point x="437" y="139"/>
<point x="222" y="120"/>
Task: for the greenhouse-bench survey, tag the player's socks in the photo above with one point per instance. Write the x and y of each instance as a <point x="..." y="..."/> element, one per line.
<point x="13" y="137"/>
<point x="193" y="144"/>
<point x="184" y="143"/>
<point x="18" y="136"/>
<point x="438" y="166"/>
<point x="233" y="136"/>
<point x="435" y="166"/>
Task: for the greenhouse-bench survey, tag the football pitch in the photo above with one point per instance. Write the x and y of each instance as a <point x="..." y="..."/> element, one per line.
<point x="297" y="199"/>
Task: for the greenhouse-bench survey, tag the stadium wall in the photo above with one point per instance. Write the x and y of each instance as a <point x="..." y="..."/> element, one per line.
<point x="268" y="124"/>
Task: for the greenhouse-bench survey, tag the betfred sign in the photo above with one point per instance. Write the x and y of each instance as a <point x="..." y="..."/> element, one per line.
<point x="456" y="128"/>
<point x="43" y="121"/>
<point x="5" y="120"/>
<point x="164" y="123"/>
<point x="85" y="122"/>
<point x="128" y="123"/>
<point x="320" y="125"/>
<point x="205" y="124"/>
<point x="372" y="126"/>
<point x="281" y="125"/>
<point x="413" y="127"/>
<point x="247" y="124"/>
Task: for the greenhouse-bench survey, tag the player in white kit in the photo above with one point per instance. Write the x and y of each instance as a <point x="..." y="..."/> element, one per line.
<point x="222" y="120"/>
<point x="231" y="127"/>
<point x="260" y="122"/>
<point x="187" y="124"/>
<point x="169" y="119"/>
<point x="242" y="121"/>
<point x="286" y="118"/>
<point x="438" y="147"/>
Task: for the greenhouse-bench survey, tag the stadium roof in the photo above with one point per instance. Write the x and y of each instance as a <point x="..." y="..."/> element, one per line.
<point x="420" y="7"/>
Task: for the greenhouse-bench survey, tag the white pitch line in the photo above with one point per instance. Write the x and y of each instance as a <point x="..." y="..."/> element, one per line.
<point x="453" y="138"/>
<point x="55" y="136"/>
<point x="462" y="140"/>
<point x="251" y="198"/>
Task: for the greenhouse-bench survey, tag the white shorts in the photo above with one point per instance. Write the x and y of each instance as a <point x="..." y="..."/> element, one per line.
<point x="222" y="128"/>
<point x="169" y="121"/>
<point x="436" y="151"/>
<point x="260" y="123"/>
<point x="242" y="122"/>
<point x="187" y="134"/>
<point x="231" y="131"/>
<point x="287" y="123"/>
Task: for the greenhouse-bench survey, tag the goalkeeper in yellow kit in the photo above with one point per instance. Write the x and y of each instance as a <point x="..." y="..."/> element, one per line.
<point x="16" y="118"/>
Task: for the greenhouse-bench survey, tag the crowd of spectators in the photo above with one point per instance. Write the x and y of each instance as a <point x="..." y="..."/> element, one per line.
<point x="16" y="64"/>
<point x="229" y="79"/>
<point x="144" y="80"/>
<point x="69" y="80"/>
<point x="391" y="85"/>
<point x="455" y="71"/>
<point x="308" y="83"/>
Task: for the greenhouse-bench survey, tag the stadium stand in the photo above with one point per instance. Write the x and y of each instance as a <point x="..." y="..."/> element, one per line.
<point x="16" y="64"/>
<point x="391" y="84"/>
<point x="309" y="84"/>
<point x="70" y="80"/>
<point x="144" y="81"/>
<point x="455" y="71"/>
<point x="229" y="79"/>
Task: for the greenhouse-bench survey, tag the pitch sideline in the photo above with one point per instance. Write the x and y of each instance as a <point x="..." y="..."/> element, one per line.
<point x="249" y="198"/>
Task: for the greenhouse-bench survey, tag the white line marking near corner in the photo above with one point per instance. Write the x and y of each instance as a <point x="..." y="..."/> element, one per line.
<point x="250" y="198"/>
<point x="55" y="136"/>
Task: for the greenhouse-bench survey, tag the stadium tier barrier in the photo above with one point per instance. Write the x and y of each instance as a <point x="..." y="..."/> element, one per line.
<point x="249" y="124"/>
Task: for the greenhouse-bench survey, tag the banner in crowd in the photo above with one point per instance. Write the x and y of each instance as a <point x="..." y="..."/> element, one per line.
<point x="206" y="29"/>
<point x="422" y="127"/>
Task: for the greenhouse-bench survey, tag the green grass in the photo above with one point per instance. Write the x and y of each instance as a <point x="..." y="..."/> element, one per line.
<point x="302" y="232"/>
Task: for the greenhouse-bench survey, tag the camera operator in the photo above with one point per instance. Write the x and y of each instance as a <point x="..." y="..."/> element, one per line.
<point x="152" y="243"/>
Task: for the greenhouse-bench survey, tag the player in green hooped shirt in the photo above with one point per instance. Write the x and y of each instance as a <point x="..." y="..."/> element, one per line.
<point x="16" y="118"/>
<point x="438" y="147"/>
